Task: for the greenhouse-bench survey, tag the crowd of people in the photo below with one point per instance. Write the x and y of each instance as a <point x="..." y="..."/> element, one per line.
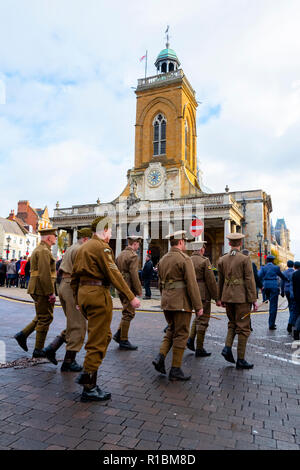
<point x="15" y="273"/>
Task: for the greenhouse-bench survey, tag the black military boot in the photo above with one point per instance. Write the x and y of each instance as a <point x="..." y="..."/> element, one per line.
<point x="177" y="374"/>
<point x="190" y="344"/>
<point x="202" y="353"/>
<point x="289" y="328"/>
<point x="38" y="353"/>
<point x="51" y="349"/>
<point x="21" y="339"/>
<point x="117" y="336"/>
<point x="127" y="345"/>
<point x="70" y="364"/>
<point x="242" y="364"/>
<point x="159" y="363"/>
<point x="227" y="354"/>
<point x="91" y="391"/>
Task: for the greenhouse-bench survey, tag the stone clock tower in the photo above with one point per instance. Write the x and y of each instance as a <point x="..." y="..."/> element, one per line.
<point x="165" y="134"/>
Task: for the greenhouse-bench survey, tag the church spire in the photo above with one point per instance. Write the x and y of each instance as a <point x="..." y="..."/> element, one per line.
<point x="167" y="60"/>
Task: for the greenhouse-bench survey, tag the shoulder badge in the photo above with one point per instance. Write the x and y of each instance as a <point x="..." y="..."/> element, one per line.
<point x="107" y="250"/>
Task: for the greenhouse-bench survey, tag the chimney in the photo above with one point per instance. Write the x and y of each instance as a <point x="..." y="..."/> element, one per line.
<point x="12" y="215"/>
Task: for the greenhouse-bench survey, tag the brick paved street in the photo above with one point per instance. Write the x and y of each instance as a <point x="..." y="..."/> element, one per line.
<point x="220" y="408"/>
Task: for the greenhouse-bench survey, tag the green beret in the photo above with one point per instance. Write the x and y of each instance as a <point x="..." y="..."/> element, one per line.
<point x="100" y="223"/>
<point x="84" y="233"/>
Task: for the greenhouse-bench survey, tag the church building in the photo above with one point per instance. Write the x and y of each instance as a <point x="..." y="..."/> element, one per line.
<point x="164" y="190"/>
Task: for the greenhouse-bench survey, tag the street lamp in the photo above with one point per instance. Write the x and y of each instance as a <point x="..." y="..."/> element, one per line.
<point x="27" y="243"/>
<point x="259" y="238"/>
<point x="8" y="239"/>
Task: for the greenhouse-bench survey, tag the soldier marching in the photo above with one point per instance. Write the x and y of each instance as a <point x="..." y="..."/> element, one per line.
<point x="187" y="284"/>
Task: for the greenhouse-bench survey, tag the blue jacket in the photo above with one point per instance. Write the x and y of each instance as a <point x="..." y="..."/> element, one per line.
<point x="269" y="274"/>
<point x="286" y="283"/>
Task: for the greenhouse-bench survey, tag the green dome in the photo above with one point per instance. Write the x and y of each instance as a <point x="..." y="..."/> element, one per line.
<point x="167" y="54"/>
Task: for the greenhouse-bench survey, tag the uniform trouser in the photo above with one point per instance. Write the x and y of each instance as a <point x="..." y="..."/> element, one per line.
<point x="147" y="283"/>
<point x="292" y="309"/>
<point x="128" y="314"/>
<point x="96" y="305"/>
<point x="297" y="316"/>
<point x="42" y="320"/>
<point x="272" y="294"/>
<point x="200" y="324"/>
<point x="74" y="333"/>
<point x="238" y="326"/>
<point x="176" y="335"/>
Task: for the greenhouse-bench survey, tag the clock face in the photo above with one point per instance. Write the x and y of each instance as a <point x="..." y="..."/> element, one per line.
<point x="154" y="178"/>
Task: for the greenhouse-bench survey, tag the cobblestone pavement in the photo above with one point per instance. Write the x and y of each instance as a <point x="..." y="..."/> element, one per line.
<point x="219" y="408"/>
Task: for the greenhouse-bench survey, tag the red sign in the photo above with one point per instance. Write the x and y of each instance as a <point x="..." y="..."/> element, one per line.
<point x="196" y="227"/>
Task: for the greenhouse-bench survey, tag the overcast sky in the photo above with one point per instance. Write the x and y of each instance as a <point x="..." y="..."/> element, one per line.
<point x="67" y="112"/>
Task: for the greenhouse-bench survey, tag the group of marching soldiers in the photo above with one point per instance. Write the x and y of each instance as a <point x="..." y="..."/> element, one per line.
<point x="186" y="284"/>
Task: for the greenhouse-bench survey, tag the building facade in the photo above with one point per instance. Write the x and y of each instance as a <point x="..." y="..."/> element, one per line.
<point x="16" y="240"/>
<point x="163" y="190"/>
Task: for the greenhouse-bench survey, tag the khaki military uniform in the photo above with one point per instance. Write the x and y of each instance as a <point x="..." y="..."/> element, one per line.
<point x="128" y="264"/>
<point x="93" y="271"/>
<point x="237" y="290"/>
<point x="74" y="333"/>
<point x="179" y="296"/>
<point x="208" y="290"/>
<point x="41" y="285"/>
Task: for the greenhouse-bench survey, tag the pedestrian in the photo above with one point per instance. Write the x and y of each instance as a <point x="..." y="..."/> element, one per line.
<point x="295" y="295"/>
<point x="11" y="273"/>
<point x="286" y="291"/>
<point x="208" y="290"/>
<point x="128" y="264"/>
<point x="74" y="333"/>
<point x="237" y="293"/>
<point x="27" y="273"/>
<point x="18" y="266"/>
<point x="258" y="282"/>
<point x="22" y="272"/>
<point x="41" y="289"/>
<point x="2" y="272"/>
<point x="179" y="296"/>
<point x="94" y="270"/>
<point x="269" y="275"/>
<point x="147" y="275"/>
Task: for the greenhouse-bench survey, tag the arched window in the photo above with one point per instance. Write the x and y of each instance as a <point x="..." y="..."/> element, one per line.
<point x="159" y="135"/>
<point x="164" y="67"/>
<point x="171" y="67"/>
<point x="187" y="141"/>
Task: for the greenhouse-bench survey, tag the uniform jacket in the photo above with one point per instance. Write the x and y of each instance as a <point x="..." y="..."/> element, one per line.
<point x="236" y="279"/>
<point x="94" y="261"/>
<point x="296" y="286"/>
<point x="173" y="267"/>
<point x="286" y="283"/>
<point x="42" y="271"/>
<point x="128" y="264"/>
<point x="205" y="277"/>
<point x="269" y="274"/>
<point x="69" y="257"/>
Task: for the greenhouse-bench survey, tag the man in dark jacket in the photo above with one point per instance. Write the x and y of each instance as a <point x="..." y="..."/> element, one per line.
<point x="285" y="291"/>
<point x="2" y="272"/>
<point x="147" y="275"/>
<point x="296" y="295"/>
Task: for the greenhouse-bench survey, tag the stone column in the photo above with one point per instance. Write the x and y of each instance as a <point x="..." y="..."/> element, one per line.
<point x="119" y="240"/>
<point x="227" y="228"/>
<point x="54" y="248"/>
<point x="145" y="241"/>
<point x="171" y="229"/>
<point x="75" y="230"/>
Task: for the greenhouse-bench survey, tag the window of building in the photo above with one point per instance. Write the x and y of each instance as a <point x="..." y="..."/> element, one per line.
<point x="187" y="141"/>
<point x="159" y="135"/>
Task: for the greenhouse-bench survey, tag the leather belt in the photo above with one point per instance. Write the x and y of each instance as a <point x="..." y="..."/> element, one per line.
<point x="173" y="284"/>
<point x="93" y="283"/>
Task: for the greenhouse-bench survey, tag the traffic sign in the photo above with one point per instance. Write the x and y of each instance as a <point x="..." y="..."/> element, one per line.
<point x="196" y="227"/>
